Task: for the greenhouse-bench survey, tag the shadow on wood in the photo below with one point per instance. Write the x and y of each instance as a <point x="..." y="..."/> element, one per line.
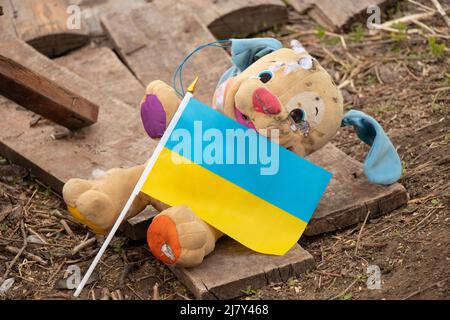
<point x="45" y="97"/>
<point x="117" y="139"/>
<point x="45" y="25"/>
<point x="233" y="18"/>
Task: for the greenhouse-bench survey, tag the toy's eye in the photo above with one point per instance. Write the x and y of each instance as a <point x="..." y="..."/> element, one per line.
<point x="245" y="117"/>
<point x="297" y="115"/>
<point x="265" y="76"/>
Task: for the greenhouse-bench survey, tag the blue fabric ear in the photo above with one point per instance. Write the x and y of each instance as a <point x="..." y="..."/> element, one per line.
<point x="382" y="164"/>
<point x="246" y="51"/>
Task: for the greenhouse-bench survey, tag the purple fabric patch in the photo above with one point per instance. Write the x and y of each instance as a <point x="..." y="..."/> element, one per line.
<point x="241" y="119"/>
<point x="153" y="116"/>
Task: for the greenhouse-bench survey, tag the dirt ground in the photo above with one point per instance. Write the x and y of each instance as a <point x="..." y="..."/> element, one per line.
<point x="400" y="77"/>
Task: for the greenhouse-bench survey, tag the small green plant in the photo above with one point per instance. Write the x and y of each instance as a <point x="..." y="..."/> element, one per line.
<point x="347" y="296"/>
<point x="392" y="11"/>
<point x="292" y="281"/>
<point x="447" y="76"/>
<point x="250" y="291"/>
<point x="447" y="138"/>
<point x="401" y="35"/>
<point x="333" y="40"/>
<point x="321" y="32"/>
<point x="357" y="34"/>
<point x="439" y="108"/>
<point x="436" y="49"/>
<point x="3" y="227"/>
<point x="117" y="246"/>
<point x="435" y="201"/>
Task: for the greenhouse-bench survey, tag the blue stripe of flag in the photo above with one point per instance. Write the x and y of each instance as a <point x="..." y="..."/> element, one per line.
<point x="297" y="186"/>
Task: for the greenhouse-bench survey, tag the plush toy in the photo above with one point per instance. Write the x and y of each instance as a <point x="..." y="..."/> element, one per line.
<point x="268" y="87"/>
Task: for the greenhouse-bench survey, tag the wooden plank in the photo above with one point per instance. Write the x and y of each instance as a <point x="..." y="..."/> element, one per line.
<point x="43" y="25"/>
<point x="101" y="66"/>
<point x="346" y="200"/>
<point x="336" y="15"/>
<point x="234" y="18"/>
<point x="44" y="96"/>
<point x="232" y="267"/>
<point x="92" y="11"/>
<point x="117" y="139"/>
<point x="153" y="44"/>
<point x="136" y="228"/>
<point x="301" y="6"/>
<point x="350" y="194"/>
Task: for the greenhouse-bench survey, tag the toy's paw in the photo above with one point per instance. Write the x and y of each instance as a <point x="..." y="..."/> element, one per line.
<point x="90" y="207"/>
<point x="158" y="108"/>
<point x="178" y="237"/>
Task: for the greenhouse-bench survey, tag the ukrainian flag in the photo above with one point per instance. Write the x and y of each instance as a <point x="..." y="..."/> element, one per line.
<point x="265" y="212"/>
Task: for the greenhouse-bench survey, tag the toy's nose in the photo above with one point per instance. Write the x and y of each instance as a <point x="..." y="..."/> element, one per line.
<point x="264" y="101"/>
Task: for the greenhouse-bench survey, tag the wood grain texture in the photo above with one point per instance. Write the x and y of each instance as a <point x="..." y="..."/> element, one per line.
<point x="232" y="268"/>
<point x="116" y="140"/>
<point x="233" y="18"/>
<point x="45" y="97"/>
<point x="350" y="195"/>
<point x="93" y="10"/>
<point x="101" y="67"/>
<point x="43" y="25"/>
<point x="153" y="44"/>
<point x="336" y="15"/>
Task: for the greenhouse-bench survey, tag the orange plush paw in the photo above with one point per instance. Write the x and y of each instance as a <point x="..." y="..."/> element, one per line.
<point x="163" y="240"/>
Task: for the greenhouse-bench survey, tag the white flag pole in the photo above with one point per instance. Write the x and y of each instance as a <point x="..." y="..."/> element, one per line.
<point x="138" y="186"/>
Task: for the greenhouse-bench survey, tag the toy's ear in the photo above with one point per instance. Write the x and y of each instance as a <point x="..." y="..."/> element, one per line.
<point x="382" y="164"/>
<point x="246" y="51"/>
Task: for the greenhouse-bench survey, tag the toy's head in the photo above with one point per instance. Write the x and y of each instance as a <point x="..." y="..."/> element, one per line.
<point x="271" y="87"/>
<point x="286" y="90"/>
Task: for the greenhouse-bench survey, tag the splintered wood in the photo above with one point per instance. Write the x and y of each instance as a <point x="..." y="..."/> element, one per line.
<point x="44" y="96"/>
<point x="45" y="25"/>
<point x="233" y="18"/>
<point x="92" y="11"/>
<point x="336" y="15"/>
<point x="117" y="139"/>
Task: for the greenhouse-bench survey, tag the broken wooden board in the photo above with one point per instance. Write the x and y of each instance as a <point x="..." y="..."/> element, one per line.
<point x="231" y="268"/>
<point x="45" y="25"/>
<point x="233" y="18"/>
<point x="92" y="11"/>
<point x="45" y="97"/>
<point x="345" y="202"/>
<point x="336" y="15"/>
<point x="102" y="67"/>
<point x="349" y="196"/>
<point x="153" y="43"/>
<point x="117" y="139"/>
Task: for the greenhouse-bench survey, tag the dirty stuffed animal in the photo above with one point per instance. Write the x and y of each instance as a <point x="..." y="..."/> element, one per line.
<point x="269" y="87"/>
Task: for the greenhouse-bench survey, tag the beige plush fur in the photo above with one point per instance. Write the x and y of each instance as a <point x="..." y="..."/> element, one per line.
<point x="182" y="238"/>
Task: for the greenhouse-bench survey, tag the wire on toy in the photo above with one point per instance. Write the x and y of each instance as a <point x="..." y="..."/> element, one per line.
<point x="179" y="70"/>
